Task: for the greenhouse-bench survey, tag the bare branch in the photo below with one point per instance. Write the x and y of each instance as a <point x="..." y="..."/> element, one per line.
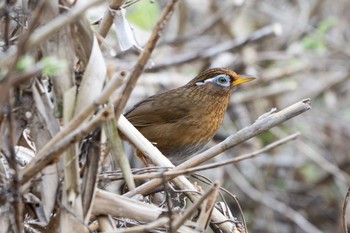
<point x="345" y="204"/>
<point x="107" y="19"/>
<point x="144" y="56"/>
<point x="258" y="35"/>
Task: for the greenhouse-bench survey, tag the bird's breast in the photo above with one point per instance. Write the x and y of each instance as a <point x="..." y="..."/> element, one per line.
<point x="192" y="133"/>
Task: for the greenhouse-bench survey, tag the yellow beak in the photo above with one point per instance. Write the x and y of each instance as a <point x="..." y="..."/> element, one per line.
<point x="242" y="79"/>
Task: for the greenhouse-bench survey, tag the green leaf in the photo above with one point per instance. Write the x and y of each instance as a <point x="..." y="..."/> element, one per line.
<point x="53" y="66"/>
<point x="316" y="40"/>
<point x="143" y="14"/>
<point x="314" y="43"/>
<point x="25" y="63"/>
<point x="325" y="25"/>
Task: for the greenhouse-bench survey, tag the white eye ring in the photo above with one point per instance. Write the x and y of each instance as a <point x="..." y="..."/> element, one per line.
<point x="220" y="80"/>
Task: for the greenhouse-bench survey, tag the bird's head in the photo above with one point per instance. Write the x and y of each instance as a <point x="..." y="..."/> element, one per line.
<point x="218" y="81"/>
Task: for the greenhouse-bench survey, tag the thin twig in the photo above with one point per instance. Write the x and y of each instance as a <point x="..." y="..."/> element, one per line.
<point x="16" y="186"/>
<point x="107" y="19"/>
<point x="186" y="215"/>
<point x="12" y="57"/>
<point x="239" y="207"/>
<point x="246" y="156"/>
<point x="220" y="48"/>
<point x="144" y="56"/>
<point x="262" y="124"/>
<point x="50" y="28"/>
<point x="56" y="24"/>
<point x="345" y="204"/>
<point x="168" y="203"/>
<point x="188" y="171"/>
<point x="205" y="26"/>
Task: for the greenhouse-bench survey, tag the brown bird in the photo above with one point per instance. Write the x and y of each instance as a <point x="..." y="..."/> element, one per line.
<point x="181" y="121"/>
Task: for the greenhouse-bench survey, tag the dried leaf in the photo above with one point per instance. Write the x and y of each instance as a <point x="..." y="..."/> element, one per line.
<point x="126" y="38"/>
<point x="93" y="79"/>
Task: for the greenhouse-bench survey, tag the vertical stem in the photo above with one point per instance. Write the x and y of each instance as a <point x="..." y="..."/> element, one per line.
<point x="144" y="56"/>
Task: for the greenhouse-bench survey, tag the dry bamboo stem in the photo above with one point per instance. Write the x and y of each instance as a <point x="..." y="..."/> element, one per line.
<point x="42" y="157"/>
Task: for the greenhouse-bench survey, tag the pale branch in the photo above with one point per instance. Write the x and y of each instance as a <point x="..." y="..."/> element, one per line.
<point x="172" y="173"/>
<point x="109" y="203"/>
<point x="162" y="221"/>
<point x="237" y="159"/>
<point x="264" y="123"/>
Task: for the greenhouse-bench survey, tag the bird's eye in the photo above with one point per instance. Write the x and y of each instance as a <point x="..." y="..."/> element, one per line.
<point x="223" y="80"/>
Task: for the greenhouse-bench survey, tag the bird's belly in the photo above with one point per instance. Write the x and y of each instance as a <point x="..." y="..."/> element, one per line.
<point x="181" y="154"/>
<point x="179" y="142"/>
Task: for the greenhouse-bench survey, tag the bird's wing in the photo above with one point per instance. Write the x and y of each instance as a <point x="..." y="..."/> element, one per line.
<point x="155" y="110"/>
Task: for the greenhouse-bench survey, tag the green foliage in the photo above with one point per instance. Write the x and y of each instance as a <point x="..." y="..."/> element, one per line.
<point x="53" y="66"/>
<point x="24" y="63"/>
<point x="325" y="25"/>
<point x="310" y="173"/>
<point x="143" y="14"/>
<point x="267" y="138"/>
<point x="316" y="41"/>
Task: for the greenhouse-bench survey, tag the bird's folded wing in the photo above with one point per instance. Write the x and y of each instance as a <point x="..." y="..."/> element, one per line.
<point x="153" y="112"/>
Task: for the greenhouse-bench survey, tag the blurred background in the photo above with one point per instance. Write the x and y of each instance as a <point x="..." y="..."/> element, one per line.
<point x="297" y="49"/>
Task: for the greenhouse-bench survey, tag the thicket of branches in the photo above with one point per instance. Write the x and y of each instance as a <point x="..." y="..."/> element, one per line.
<point x="69" y="69"/>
